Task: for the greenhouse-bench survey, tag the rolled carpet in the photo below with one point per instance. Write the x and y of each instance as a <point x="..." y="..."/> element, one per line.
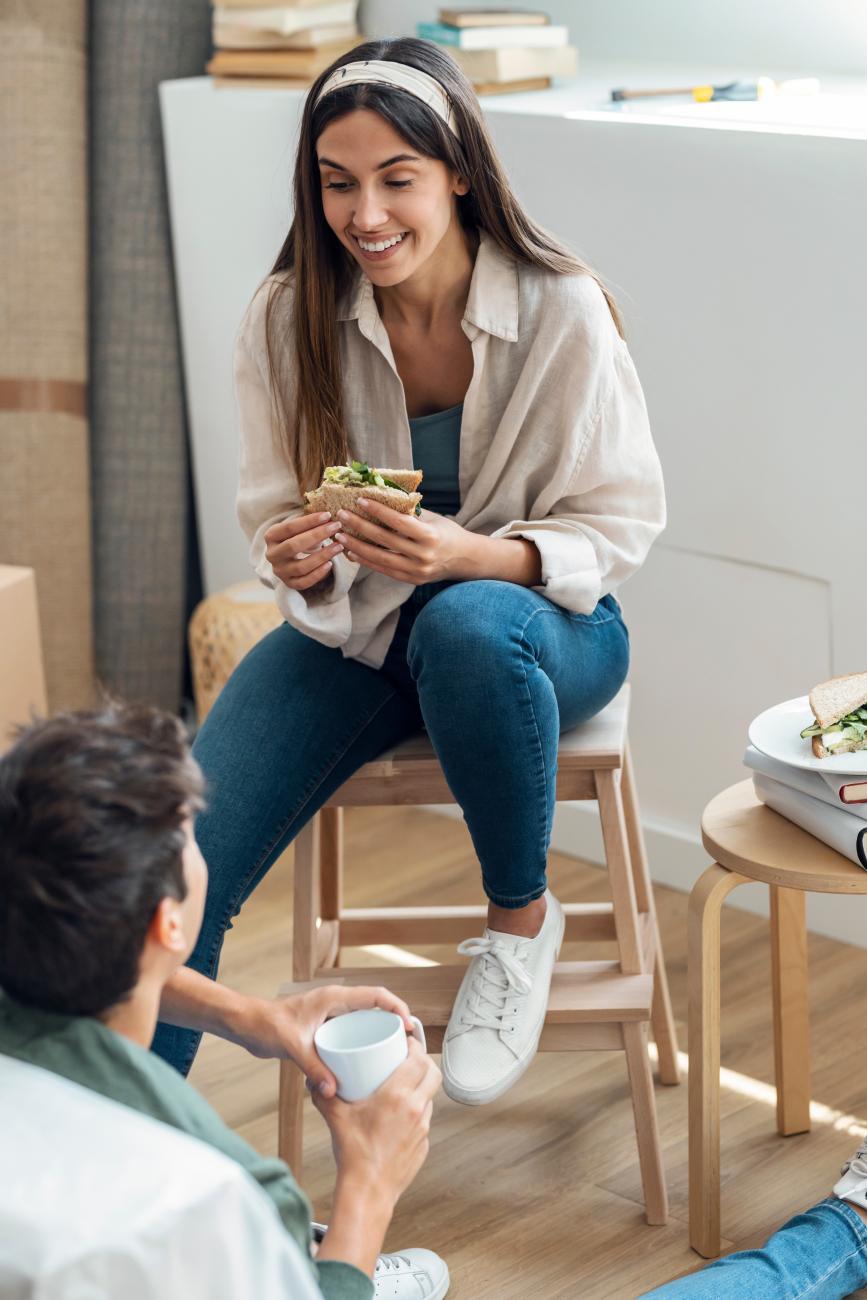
<point x="45" y="480"/>
<point x="139" y="434"/>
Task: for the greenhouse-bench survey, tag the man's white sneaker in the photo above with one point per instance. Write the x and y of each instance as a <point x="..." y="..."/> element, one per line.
<point x="498" y="1014"/>
<point x="853" y="1184"/>
<point x="411" y="1275"/>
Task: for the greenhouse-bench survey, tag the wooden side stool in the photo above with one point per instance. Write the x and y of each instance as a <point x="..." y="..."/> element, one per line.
<point x="593" y="1004"/>
<point x="751" y="842"/>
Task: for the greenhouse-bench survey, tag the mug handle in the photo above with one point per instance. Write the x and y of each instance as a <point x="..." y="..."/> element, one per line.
<point x="418" y="1032"/>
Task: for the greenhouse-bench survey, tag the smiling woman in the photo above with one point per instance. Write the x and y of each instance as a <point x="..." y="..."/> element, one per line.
<point x="417" y="316"/>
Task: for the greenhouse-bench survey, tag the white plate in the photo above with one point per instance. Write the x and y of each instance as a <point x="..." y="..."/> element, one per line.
<point x="776" y="732"/>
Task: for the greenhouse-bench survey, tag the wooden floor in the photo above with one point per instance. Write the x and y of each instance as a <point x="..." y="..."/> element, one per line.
<point x="538" y="1194"/>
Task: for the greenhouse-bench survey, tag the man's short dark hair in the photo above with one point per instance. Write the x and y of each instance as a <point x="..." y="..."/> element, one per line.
<point x="92" y="806"/>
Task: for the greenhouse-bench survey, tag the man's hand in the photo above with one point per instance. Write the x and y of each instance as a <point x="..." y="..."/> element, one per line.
<point x="410" y="549"/>
<point x="382" y="1141"/>
<point x="284" y="1027"/>
<point x="379" y="1145"/>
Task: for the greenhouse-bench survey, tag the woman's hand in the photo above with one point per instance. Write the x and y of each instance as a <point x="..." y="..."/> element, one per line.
<point x="409" y="548"/>
<point x="292" y="550"/>
<point x="284" y="1027"/>
<point x="380" y="1143"/>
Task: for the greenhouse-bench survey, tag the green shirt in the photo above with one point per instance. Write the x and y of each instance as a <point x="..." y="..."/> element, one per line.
<point x="90" y="1054"/>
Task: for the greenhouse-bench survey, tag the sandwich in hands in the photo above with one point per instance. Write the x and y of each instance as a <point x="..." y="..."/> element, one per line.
<point x="342" y="485"/>
<point x="840" y="709"/>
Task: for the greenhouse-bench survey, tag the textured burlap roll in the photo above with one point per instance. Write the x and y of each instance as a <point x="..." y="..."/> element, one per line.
<point x="138" y="424"/>
<point x="44" y="473"/>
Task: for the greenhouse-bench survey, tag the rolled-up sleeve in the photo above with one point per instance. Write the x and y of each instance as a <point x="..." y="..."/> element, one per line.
<point x="598" y="533"/>
<point x="268" y="491"/>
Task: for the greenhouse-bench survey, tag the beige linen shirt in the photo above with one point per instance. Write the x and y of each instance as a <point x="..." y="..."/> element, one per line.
<point x="555" y="445"/>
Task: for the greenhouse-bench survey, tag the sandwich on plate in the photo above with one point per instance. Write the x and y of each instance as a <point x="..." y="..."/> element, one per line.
<point x="342" y="485"/>
<point x="840" y="709"/>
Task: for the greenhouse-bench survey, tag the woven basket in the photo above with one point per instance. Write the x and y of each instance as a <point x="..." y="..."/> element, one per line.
<point x="222" y="629"/>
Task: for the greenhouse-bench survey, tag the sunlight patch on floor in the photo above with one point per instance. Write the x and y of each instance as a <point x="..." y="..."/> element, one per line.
<point x="756" y="1090"/>
<point x="397" y="956"/>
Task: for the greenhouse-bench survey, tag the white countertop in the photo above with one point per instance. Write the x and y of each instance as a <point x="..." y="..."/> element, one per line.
<point x="839" y="110"/>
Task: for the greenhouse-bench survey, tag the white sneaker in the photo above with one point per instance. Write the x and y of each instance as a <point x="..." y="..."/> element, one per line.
<point x="853" y="1185"/>
<point x="499" y="1012"/>
<point x="410" y="1275"/>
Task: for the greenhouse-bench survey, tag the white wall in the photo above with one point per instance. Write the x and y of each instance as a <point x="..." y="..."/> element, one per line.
<point x="813" y="35"/>
<point x="737" y="257"/>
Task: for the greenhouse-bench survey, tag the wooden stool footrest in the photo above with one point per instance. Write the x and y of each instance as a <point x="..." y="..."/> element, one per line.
<point x="360" y="926"/>
<point x="582" y="992"/>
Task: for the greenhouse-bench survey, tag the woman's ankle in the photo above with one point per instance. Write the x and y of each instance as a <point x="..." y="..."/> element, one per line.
<point x="525" y="921"/>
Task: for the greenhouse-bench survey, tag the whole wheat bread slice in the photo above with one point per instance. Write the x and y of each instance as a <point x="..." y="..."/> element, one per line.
<point x="832" y="700"/>
<point x="334" y="496"/>
<point x="408" y="479"/>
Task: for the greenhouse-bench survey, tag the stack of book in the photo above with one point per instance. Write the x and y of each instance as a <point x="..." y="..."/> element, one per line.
<point x="504" y="50"/>
<point x="829" y="806"/>
<point x="286" y="44"/>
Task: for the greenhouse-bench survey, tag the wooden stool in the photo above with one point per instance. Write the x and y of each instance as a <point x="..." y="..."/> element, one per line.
<point x="223" y="627"/>
<point x="751" y="842"/>
<point x="598" y="1004"/>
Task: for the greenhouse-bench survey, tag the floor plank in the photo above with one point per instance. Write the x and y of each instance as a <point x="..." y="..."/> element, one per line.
<point x="539" y="1194"/>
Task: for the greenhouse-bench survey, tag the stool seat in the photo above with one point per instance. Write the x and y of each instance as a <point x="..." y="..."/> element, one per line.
<point x="745" y="836"/>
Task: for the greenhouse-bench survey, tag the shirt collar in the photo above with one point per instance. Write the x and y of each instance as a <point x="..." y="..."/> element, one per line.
<point x="492" y="303"/>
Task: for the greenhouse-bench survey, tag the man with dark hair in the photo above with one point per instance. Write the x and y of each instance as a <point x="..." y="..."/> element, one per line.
<point x="102" y="889"/>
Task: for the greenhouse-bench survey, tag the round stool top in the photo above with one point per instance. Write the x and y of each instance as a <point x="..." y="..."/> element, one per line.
<point x="740" y="833"/>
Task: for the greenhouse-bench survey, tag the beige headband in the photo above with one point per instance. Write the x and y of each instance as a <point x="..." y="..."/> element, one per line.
<point x="381" y="72"/>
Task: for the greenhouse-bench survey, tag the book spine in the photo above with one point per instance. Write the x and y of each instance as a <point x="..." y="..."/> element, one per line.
<point x="833" y="826"/>
<point x="439" y="33"/>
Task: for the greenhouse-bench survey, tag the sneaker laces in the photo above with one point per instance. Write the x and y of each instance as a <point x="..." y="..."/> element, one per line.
<point x="500" y="976"/>
<point x="858" y="1162"/>
<point x="387" y="1263"/>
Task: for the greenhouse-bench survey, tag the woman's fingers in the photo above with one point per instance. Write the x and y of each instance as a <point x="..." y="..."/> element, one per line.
<point x="408" y="525"/>
<point x="300" y="543"/>
<point x="376" y="557"/>
<point x="311" y="579"/>
<point x="297" y="524"/>
<point x="392" y="539"/>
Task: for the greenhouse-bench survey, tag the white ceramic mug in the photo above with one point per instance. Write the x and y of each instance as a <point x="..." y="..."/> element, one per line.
<point x="362" y="1048"/>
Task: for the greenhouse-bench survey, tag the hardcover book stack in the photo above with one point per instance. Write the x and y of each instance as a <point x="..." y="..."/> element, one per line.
<point x="816" y="774"/>
<point x="504" y="50"/>
<point x="280" y="44"/>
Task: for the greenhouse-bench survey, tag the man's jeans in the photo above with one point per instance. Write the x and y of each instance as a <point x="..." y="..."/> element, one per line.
<point x="493" y="671"/>
<point x="818" y="1255"/>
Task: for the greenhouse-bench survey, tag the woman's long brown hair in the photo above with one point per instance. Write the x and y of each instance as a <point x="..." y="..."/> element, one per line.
<point x="315" y="265"/>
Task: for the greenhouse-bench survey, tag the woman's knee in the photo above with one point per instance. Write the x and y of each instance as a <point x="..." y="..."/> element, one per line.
<point x="468" y="618"/>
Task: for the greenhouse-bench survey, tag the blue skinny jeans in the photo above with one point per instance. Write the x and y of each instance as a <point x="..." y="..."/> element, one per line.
<point x="818" y="1255"/>
<point x="491" y="669"/>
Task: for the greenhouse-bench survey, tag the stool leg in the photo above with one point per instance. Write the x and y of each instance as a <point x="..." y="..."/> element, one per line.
<point x="661" y="1016"/>
<point x="290" y="1117"/>
<point x="791" y="1009"/>
<point x="646" y="1128"/>
<point x="705" y="905"/>
<point x="331" y="879"/>
<point x="620" y="875"/>
<point x="290" y="1124"/>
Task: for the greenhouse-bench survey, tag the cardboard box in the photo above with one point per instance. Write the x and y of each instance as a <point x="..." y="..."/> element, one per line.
<point x="22" y="675"/>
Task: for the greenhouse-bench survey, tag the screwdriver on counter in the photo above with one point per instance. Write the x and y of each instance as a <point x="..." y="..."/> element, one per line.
<point x="734" y="90"/>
